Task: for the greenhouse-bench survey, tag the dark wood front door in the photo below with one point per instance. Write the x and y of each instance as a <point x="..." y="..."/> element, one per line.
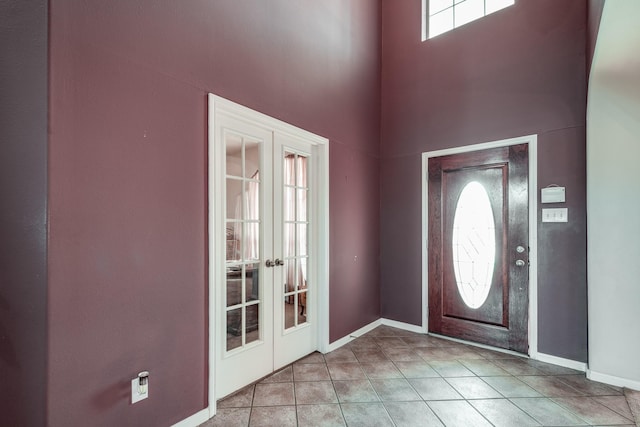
<point x="478" y="246"/>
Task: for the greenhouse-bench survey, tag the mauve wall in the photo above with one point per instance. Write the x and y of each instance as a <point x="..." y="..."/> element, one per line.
<point x="127" y="264"/>
<point x="23" y="226"/>
<point x="519" y="71"/>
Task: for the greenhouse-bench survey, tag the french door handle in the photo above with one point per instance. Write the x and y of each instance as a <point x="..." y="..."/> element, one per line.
<point x="279" y="262"/>
<point x="270" y="263"/>
<point x="520" y="263"/>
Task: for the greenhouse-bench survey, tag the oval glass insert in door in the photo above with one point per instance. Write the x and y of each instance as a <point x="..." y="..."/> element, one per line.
<point x="474" y="244"/>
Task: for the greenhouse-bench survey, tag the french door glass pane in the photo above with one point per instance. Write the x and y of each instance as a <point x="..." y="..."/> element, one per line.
<point x="302" y="302"/>
<point x="234" y="242"/>
<point x="301" y="203"/>
<point x="251" y="241"/>
<point x="234" y="329"/>
<point x="302" y="240"/>
<point x="289" y="311"/>
<point x="289" y="203"/>
<point x="289" y="240"/>
<point x="301" y="171"/>
<point x="302" y="276"/>
<point x="252" y="281"/>
<point x="290" y="274"/>
<point x="252" y="201"/>
<point x="252" y="328"/>
<point x="234" y="287"/>
<point x="251" y="159"/>
<point x="289" y="169"/>
<point x="234" y="145"/>
<point x="234" y="197"/>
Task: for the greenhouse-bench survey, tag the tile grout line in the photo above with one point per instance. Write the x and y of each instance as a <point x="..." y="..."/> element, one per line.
<point x="530" y="370"/>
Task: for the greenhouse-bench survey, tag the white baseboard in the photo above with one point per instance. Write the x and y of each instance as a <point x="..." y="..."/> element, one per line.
<point x="345" y="340"/>
<point x="404" y="326"/>
<point x="194" y="420"/>
<point x="613" y="380"/>
<point x="566" y="363"/>
<point x="371" y="326"/>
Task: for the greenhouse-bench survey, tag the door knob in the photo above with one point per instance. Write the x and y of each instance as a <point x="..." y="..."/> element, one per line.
<point x="270" y="263"/>
<point x="520" y="263"/>
<point x="279" y="261"/>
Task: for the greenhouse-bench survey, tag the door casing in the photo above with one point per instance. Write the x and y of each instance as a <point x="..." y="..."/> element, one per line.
<point x="532" y="142"/>
<point x="216" y="251"/>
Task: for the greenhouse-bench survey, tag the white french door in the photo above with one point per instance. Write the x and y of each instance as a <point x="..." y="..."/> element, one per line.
<point x="264" y="244"/>
<point x="294" y="241"/>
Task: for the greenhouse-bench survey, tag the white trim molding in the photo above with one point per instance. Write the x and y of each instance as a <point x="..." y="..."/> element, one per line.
<point x="368" y="328"/>
<point x="559" y="361"/>
<point x="613" y="380"/>
<point x="352" y="336"/>
<point x="404" y="326"/>
<point x="195" y="419"/>
<point x="532" y="142"/>
<point x="241" y="113"/>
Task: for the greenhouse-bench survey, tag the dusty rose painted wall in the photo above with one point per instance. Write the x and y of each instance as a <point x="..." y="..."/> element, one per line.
<point x="23" y="215"/>
<point x="127" y="267"/>
<point x="519" y="71"/>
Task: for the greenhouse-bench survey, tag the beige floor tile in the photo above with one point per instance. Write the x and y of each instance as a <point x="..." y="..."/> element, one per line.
<point x="366" y="415"/>
<point x="355" y="391"/>
<point x="458" y="413"/>
<point x="311" y="372"/>
<point x="395" y="390"/>
<point x="275" y="394"/>
<point x="308" y="393"/>
<point x="346" y="371"/>
<point x="503" y="413"/>
<point x="281" y="416"/>
<point x="412" y="414"/>
<point x="320" y="416"/>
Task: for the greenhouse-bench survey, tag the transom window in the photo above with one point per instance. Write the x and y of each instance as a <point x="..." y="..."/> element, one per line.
<point x="445" y="15"/>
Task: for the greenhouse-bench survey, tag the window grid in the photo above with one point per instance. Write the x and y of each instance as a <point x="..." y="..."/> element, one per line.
<point x="296" y="222"/>
<point x="438" y="11"/>
<point x="243" y="260"/>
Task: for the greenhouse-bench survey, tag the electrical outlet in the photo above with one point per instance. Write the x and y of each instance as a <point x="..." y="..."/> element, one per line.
<point x="136" y="396"/>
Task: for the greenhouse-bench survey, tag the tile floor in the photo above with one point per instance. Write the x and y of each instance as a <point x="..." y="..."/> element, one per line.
<point x="391" y="377"/>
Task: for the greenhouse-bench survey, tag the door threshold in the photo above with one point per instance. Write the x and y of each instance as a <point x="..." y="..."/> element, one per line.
<point x="477" y="344"/>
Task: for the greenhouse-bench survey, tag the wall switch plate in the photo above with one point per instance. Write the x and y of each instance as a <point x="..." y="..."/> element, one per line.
<point x="555" y="215"/>
<point x="136" y="396"/>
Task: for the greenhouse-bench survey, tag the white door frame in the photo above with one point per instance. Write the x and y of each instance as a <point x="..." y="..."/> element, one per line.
<point x="532" y="142"/>
<point x="215" y="212"/>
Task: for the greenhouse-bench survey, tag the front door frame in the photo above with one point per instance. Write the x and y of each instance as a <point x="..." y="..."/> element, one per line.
<point x="216" y="253"/>
<point x="532" y="142"/>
